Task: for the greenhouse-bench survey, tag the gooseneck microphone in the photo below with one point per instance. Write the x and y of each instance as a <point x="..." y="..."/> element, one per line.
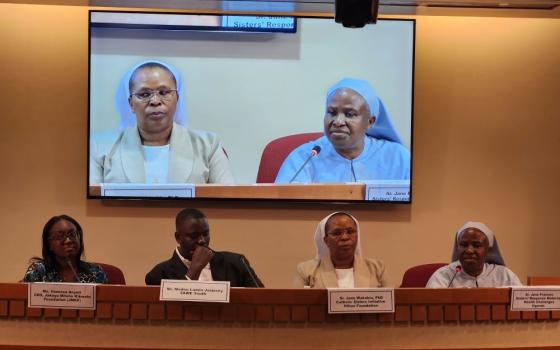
<point x="69" y="263"/>
<point x="310" y="280"/>
<point x="248" y="269"/>
<point x="314" y="151"/>
<point x="457" y="270"/>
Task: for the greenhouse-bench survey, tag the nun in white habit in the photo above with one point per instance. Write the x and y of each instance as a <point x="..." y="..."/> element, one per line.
<point x="339" y="262"/>
<point x="477" y="262"/>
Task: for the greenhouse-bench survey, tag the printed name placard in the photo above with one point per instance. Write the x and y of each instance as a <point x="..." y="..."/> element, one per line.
<point x="361" y="300"/>
<point x="535" y="298"/>
<point x="207" y="291"/>
<point x="61" y="295"/>
<point x="388" y="190"/>
<point x="147" y="190"/>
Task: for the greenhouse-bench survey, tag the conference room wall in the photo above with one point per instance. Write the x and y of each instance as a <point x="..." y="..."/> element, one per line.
<point x="485" y="148"/>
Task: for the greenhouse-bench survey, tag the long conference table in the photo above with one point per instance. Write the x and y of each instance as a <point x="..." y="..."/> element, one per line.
<point x="133" y="317"/>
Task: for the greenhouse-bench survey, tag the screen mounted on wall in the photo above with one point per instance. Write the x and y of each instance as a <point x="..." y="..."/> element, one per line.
<point x="249" y="107"/>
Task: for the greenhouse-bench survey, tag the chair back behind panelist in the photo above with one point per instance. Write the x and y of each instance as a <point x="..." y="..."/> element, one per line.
<point x="276" y="152"/>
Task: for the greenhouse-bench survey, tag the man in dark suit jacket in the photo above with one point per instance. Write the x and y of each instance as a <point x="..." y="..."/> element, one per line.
<point x="194" y="260"/>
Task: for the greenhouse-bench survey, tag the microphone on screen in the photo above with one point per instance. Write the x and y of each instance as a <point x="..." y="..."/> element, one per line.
<point x="314" y="151"/>
<point x="457" y="270"/>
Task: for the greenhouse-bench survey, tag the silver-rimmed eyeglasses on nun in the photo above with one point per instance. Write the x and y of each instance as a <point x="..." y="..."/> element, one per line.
<point x="147" y="95"/>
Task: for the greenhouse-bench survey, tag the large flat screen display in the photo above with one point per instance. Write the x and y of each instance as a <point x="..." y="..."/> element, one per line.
<point x="249" y="107"/>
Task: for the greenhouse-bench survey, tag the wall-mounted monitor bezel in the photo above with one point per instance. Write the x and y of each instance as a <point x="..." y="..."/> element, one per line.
<point x="320" y="193"/>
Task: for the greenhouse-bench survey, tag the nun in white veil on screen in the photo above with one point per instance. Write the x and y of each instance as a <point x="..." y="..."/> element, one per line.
<point x="153" y="144"/>
<point x="360" y="142"/>
<point x="339" y="261"/>
<point x="476" y="261"/>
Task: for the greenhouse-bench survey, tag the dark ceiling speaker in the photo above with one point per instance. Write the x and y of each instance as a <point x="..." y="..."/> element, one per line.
<point x="356" y="13"/>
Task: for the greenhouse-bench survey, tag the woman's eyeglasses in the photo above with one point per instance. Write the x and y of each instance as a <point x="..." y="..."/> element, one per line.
<point x="61" y="236"/>
<point x="337" y="234"/>
<point x="162" y="94"/>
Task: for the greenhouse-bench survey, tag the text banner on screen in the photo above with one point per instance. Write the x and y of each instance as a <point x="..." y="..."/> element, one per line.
<point x="168" y="21"/>
<point x="148" y="190"/>
<point x="388" y="190"/>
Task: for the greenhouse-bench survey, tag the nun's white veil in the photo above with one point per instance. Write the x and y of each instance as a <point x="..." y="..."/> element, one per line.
<point x="322" y="249"/>
<point x="494" y="255"/>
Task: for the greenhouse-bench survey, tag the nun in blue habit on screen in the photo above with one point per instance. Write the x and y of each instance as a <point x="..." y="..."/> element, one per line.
<point x="360" y="142"/>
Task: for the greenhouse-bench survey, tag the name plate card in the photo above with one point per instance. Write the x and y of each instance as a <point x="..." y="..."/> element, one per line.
<point x="535" y="298"/>
<point x="202" y="291"/>
<point x="361" y="300"/>
<point x="389" y="190"/>
<point x="61" y="295"/>
<point x="147" y="190"/>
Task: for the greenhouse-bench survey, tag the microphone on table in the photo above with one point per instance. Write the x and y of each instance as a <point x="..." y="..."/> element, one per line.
<point x="310" y="280"/>
<point x="314" y="151"/>
<point x="69" y="263"/>
<point x="248" y="269"/>
<point x="457" y="270"/>
<point x="246" y="266"/>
